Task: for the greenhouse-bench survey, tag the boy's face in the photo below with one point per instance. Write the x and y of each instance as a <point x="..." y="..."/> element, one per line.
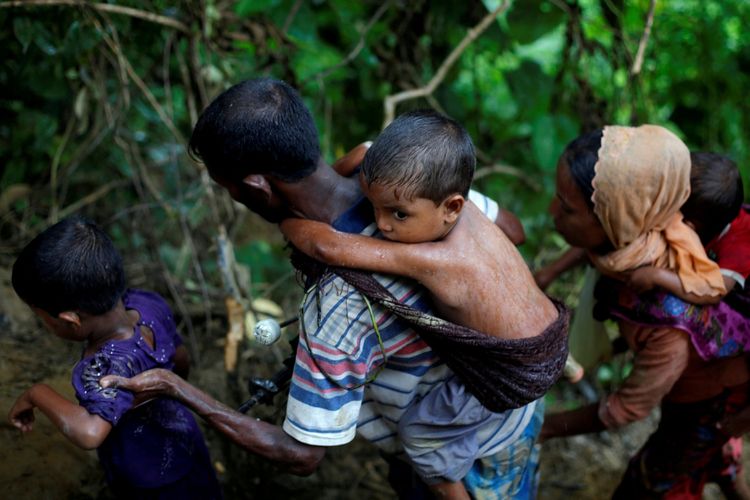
<point x="404" y="220"/>
<point x="59" y="326"/>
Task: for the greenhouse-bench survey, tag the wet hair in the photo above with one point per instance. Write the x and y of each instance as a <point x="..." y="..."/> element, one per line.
<point x="716" y="193"/>
<point x="424" y="153"/>
<point x="581" y="156"/>
<point x="259" y="126"/>
<point x="70" y="266"/>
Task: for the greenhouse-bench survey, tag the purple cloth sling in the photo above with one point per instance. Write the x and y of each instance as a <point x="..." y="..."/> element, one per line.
<point x="716" y="331"/>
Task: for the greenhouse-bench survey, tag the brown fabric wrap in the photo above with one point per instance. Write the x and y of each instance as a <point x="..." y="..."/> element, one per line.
<point x="502" y="374"/>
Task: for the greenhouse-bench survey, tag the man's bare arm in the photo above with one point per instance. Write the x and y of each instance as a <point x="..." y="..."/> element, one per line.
<point x="571" y="258"/>
<point x="511" y="226"/>
<point x="347" y="164"/>
<point x="322" y="242"/>
<point x="264" y="439"/>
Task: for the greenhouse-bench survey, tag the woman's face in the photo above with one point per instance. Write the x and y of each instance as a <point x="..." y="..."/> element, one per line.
<point x="574" y="220"/>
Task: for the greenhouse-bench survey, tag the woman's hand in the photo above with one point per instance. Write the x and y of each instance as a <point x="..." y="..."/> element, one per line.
<point x="21" y="415"/>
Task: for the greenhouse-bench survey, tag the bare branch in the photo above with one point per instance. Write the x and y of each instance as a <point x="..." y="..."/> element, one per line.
<point x="638" y="62"/>
<point x="357" y="48"/>
<point x="104" y="7"/>
<point x="114" y="45"/>
<point x="474" y="33"/>
<point x="290" y="17"/>
<point x="507" y="170"/>
<point x="90" y="198"/>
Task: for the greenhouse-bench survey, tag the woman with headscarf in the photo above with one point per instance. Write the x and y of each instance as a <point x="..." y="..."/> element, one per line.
<point x="619" y="193"/>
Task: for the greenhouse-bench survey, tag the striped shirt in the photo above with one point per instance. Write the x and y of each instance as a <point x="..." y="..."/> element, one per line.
<point x="350" y="378"/>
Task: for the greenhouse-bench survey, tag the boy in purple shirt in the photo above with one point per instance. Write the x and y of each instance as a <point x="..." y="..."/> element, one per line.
<point x="72" y="277"/>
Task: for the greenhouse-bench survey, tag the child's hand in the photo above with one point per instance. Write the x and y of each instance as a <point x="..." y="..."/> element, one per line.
<point x="22" y="413"/>
<point x="642" y="279"/>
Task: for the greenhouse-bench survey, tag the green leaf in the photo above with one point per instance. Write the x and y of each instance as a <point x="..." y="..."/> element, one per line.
<point x="551" y="133"/>
<point x="531" y="19"/>
<point x="24" y="31"/>
<point x="531" y="88"/>
<point x="246" y="8"/>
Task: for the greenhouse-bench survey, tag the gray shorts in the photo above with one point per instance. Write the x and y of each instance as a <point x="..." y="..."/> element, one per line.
<point x="439" y="432"/>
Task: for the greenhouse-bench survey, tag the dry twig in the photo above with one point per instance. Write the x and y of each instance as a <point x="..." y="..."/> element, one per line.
<point x="638" y="62"/>
<point x="391" y="101"/>
<point x="507" y="170"/>
<point x="357" y="48"/>
<point x="104" y="7"/>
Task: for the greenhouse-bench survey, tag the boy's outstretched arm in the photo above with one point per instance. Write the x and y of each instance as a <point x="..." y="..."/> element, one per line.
<point x="85" y="430"/>
<point x="264" y="439"/>
<point x="322" y="242"/>
<point x="648" y="277"/>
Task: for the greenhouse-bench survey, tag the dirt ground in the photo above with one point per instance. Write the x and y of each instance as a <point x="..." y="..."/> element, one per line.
<point x="44" y="465"/>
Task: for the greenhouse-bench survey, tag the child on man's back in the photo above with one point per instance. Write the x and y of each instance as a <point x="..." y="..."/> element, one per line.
<point x="417" y="176"/>
<point x="72" y="277"/>
<point x="714" y="211"/>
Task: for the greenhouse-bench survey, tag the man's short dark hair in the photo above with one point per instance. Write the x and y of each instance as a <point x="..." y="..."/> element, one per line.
<point x="71" y="266"/>
<point x="425" y="153"/>
<point x="259" y="126"/>
<point x="716" y="193"/>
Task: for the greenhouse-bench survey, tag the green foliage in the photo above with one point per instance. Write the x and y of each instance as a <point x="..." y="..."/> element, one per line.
<point x="94" y="100"/>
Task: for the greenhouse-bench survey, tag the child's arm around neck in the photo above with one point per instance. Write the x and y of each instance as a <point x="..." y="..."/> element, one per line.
<point x="85" y="430"/>
<point x="647" y="277"/>
<point x="324" y="243"/>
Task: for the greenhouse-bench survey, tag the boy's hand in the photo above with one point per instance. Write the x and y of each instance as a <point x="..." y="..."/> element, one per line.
<point x="22" y="413"/>
<point x="642" y="279"/>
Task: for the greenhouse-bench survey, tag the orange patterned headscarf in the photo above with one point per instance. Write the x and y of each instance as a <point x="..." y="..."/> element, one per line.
<point x="641" y="180"/>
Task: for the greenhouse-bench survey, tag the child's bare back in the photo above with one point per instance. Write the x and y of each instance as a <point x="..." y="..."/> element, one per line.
<point x="475" y="275"/>
<point x="481" y="281"/>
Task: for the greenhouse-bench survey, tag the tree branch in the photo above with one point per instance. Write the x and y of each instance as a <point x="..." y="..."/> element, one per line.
<point x="357" y="48"/>
<point x="474" y="33"/>
<point x="104" y="7"/>
<point x="638" y="62"/>
<point x="507" y="170"/>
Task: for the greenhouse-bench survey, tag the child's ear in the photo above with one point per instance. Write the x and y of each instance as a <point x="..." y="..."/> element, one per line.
<point x="452" y="207"/>
<point x="71" y="317"/>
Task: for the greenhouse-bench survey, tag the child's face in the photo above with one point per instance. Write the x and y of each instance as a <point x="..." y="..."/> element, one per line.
<point x="59" y="326"/>
<point x="408" y="221"/>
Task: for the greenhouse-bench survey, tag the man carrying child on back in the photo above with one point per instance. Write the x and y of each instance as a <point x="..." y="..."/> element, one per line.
<point x="358" y="368"/>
